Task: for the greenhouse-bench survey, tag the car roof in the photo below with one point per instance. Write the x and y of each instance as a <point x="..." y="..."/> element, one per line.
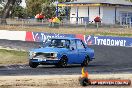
<point x="69" y="38"/>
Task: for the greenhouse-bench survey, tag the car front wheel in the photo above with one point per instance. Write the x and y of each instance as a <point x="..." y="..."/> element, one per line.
<point x="62" y="62"/>
<point x="32" y="64"/>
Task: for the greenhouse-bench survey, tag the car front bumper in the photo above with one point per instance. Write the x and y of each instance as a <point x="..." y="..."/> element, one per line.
<point x="47" y="61"/>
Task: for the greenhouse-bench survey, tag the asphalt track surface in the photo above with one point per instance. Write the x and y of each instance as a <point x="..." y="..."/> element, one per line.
<point x="108" y="59"/>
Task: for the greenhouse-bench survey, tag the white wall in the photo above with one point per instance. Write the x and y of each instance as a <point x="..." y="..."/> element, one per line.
<point x="108" y="15"/>
<point x="122" y="9"/>
<point x="13" y="35"/>
<point x="73" y="14"/>
<point x="83" y="12"/>
<point x="94" y="12"/>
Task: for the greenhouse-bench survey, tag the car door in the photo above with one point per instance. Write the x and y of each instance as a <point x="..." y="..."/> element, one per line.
<point x="81" y="51"/>
<point x="73" y="52"/>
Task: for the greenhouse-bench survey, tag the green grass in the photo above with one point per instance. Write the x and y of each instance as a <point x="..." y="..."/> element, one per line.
<point x="11" y="57"/>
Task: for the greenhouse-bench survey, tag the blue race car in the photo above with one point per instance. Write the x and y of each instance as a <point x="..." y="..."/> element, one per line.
<point x="60" y="52"/>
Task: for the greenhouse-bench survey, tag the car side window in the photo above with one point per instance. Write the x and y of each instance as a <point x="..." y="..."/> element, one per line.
<point x="73" y="44"/>
<point x="80" y="45"/>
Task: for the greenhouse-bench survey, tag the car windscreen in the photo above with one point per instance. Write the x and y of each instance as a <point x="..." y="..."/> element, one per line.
<point x="57" y="43"/>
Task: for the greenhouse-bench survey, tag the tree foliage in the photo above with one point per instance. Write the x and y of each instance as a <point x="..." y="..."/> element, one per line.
<point x="42" y="6"/>
<point x="7" y="9"/>
<point x="49" y="10"/>
<point x="34" y="6"/>
<point x="129" y="0"/>
<point x="2" y="5"/>
<point x="19" y="11"/>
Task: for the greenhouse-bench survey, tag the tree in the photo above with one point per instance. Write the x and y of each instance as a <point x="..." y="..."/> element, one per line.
<point x="19" y="11"/>
<point x="37" y="6"/>
<point x="48" y="10"/>
<point x="2" y="5"/>
<point x="7" y="9"/>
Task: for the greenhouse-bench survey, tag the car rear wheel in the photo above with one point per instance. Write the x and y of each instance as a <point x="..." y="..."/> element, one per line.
<point x="63" y="62"/>
<point x="85" y="62"/>
<point x="33" y="64"/>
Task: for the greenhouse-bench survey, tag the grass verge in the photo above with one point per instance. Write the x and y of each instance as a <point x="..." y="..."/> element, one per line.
<point x="11" y="57"/>
<point x="124" y="32"/>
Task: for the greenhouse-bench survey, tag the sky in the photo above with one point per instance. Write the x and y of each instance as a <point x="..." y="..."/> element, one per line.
<point x="23" y="4"/>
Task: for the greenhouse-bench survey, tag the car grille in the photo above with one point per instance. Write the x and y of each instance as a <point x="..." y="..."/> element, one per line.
<point x="47" y="55"/>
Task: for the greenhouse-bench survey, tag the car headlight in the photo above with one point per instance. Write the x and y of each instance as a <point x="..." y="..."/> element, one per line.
<point x="32" y="54"/>
<point x="54" y="55"/>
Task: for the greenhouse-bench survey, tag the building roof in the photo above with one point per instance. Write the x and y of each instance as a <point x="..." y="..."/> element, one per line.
<point x="122" y="2"/>
<point x="114" y="2"/>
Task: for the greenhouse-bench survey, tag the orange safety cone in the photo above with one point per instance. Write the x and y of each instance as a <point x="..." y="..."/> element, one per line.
<point x="84" y="81"/>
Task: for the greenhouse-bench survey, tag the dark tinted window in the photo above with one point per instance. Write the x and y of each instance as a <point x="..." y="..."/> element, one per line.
<point x="58" y="43"/>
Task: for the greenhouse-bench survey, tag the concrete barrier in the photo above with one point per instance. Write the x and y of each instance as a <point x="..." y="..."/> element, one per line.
<point x="12" y="35"/>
